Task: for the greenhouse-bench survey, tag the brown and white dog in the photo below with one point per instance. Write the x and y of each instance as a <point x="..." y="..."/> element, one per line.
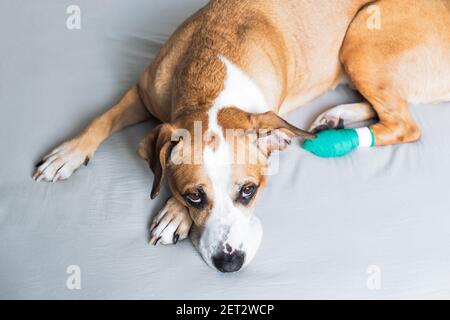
<point x="240" y="64"/>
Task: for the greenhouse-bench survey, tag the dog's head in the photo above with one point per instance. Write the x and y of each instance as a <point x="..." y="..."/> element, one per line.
<point x="217" y="171"/>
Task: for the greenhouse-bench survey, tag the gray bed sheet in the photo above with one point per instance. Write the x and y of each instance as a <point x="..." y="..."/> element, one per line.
<point x="372" y="225"/>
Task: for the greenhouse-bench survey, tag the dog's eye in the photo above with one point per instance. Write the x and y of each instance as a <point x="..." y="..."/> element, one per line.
<point x="247" y="192"/>
<point x="196" y="198"/>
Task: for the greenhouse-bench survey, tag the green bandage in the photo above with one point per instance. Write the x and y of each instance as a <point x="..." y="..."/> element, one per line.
<point x="337" y="143"/>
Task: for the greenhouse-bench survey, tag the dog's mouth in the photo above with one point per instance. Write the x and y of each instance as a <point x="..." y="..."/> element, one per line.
<point x="228" y="248"/>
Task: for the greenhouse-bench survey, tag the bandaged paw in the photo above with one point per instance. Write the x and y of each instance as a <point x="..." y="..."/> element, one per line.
<point x="337" y="143"/>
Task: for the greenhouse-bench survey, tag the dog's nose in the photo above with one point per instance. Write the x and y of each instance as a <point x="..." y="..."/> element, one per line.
<point x="228" y="260"/>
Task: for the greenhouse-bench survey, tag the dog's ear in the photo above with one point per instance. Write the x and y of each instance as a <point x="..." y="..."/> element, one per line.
<point x="275" y="133"/>
<point x="155" y="148"/>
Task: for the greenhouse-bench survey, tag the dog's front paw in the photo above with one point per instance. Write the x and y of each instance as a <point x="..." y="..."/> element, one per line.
<point x="343" y="116"/>
<point x="171" y="224"/>
<point x="327" y="121"/>
<point x="61" y="162"/>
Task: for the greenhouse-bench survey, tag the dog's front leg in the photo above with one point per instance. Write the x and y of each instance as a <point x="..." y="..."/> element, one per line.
<point x="68" y="157"/>
<point x="172" y="223"/>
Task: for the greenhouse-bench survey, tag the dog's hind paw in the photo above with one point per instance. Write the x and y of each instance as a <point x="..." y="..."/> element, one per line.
<point x="171" y="224"/>
<point x="61" y="163"/>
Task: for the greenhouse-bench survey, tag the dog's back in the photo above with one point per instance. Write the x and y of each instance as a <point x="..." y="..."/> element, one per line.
<point x="290" y="48"/>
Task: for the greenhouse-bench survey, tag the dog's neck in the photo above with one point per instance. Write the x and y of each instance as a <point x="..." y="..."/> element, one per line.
<point x="232" y="88"/>
<point x="225" y="35"/>
<point x="211" y="82"/>
<point x="198" y="83"/>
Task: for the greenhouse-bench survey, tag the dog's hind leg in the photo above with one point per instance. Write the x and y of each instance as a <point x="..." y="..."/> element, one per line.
<point x="396" y="124"/>
<point x="391" y="67"/>
<point x="65" y="159"/>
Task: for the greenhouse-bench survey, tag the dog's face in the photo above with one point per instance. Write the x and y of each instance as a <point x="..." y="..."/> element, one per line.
<point x="220" y="193"/>
<point x="218" y="177"/>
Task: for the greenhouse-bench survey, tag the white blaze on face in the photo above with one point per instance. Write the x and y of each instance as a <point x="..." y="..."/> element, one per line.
<point x="229" y="223"/>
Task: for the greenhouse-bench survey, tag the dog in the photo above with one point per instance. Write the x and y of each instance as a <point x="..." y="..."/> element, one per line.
<point x="241" y="65"/>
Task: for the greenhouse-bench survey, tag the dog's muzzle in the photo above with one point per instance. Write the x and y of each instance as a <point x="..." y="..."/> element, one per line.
<point x="228" y="260"/>
<point x="228" y="244"/>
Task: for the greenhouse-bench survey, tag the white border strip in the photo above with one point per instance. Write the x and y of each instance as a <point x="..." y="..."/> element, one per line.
<point x="365" y="137"/>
